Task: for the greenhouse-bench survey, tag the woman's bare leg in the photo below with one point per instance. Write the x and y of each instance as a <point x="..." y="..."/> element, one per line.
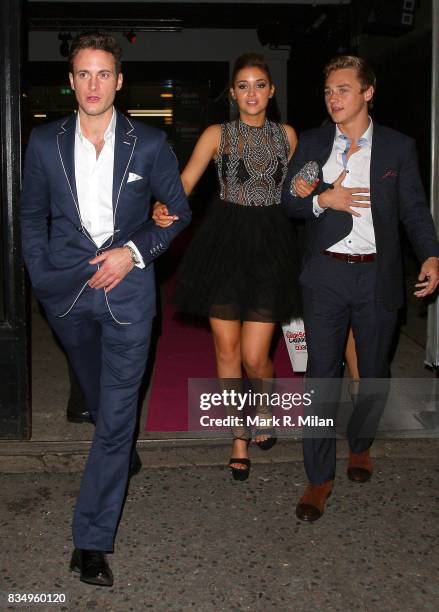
<point x="227" y="341"/>
<point x="255" y="354"/>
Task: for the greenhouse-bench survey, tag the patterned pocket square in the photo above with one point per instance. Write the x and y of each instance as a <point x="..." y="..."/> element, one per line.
<point x="133" y="177"/>
<point x="390" y="174"/>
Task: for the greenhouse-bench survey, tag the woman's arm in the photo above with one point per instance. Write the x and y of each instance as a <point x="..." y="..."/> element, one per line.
<point x="205" y="149"/>
<point x="292" y="139"/>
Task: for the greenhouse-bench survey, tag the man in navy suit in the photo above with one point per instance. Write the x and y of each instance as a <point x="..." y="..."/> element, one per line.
<point x="352" y="272"/>
<point x="89" y="247"/>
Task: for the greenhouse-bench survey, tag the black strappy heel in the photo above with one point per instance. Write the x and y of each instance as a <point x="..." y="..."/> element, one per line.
<point x="239" y="473"/>
<point x="269" y="442"/>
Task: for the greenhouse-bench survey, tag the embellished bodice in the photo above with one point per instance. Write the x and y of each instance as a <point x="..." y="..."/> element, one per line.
<point x="252" y="163"/>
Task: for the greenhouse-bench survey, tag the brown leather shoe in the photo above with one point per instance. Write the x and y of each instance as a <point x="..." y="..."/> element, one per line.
<point x="360" y="466"/>
<point x="312" y="503"/>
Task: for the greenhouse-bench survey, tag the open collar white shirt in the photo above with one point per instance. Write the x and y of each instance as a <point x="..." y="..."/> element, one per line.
<point x="94" y="185"/>
<point x="94" y="182"/>
<point x="361" y="239"/>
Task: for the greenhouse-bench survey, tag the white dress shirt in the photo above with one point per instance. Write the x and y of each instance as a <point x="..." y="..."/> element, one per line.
<point x="361" y="239"/>
<point x="94" y="184"/>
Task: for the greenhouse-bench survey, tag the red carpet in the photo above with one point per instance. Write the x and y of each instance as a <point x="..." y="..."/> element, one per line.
<point x="185" y="350"/>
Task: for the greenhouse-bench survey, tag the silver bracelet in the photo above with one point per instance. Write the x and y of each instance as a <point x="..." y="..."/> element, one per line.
<point x="134" y="257"/>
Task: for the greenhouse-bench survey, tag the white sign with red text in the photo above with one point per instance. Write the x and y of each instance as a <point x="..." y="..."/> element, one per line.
<point x="294" y="334"/>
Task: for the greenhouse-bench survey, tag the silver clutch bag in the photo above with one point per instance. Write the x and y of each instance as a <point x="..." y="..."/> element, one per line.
<point x="310" y="172"/>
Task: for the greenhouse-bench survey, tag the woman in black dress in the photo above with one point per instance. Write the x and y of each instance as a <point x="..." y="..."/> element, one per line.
<point x="241" y="268"/>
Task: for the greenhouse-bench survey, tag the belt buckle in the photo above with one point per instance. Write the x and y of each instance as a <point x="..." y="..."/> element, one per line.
<point x="351" y="258"/>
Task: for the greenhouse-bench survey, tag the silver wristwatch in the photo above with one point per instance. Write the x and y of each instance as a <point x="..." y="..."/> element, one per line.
<point x="134" y="258"/>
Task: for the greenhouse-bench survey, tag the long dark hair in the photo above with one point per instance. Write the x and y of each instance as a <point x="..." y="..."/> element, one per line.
<point x="250" y="60"/>
<point x="255" y="60"/>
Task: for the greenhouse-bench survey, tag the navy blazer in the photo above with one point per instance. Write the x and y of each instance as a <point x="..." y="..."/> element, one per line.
<point x="56" y="246"/>
<point x="396" y="193"/>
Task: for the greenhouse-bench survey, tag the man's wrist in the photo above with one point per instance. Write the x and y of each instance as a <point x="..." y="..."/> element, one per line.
<point x="134" y="258"/>
<point x="317" y="210"/>
<point x="321" y="200"/>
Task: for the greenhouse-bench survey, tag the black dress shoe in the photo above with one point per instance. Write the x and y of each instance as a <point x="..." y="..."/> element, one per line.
<point x="77" y="411"/>
<point x="135" y="464"/>
<point x="79" y="417"/>
<point x="92" y="566"/>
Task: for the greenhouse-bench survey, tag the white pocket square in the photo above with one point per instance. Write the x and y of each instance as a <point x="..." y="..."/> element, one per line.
<point x="133" y="177"/>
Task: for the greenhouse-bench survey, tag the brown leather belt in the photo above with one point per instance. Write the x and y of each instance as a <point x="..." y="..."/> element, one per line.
<point x="348" y="258"/>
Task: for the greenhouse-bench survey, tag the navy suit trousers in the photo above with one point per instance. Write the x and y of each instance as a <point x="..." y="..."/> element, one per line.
<point x="109" y="360"/>
<point x="335" y="295"/>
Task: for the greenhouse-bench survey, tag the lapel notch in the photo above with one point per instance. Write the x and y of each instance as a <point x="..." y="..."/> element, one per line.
<point x="66" y="150"/>
<point x="124" y="144"/>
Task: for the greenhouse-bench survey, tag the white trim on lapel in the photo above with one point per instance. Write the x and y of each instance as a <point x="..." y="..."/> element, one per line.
<point x="124" y="175"/>
<point x="132" y="126"/>
<point x="111" y="312"/>
<point x="64" y="131"/>
<point x="74" y="301"/>
<point x="128" y="133"/>
<point x="84" y="230"/>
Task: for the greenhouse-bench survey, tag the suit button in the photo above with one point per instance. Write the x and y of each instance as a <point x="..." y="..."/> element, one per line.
<point x="79" y="228"/>
<point x="98" y="252"/>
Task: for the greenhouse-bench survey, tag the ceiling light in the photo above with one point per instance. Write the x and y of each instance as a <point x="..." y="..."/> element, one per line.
<point x="150" y="112"/>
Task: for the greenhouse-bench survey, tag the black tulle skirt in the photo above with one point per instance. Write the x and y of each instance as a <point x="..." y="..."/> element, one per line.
<point x="242" y="264"/>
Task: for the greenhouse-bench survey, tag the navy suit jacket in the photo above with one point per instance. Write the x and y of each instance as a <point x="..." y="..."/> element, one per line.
<point x="396" y="193"/>
<point x="56" y="246"/>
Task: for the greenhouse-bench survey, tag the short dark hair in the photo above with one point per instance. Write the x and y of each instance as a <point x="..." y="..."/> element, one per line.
<point x="101" y="41"/>
<point x="365" y="74"/>
<point x="251" y="60"/>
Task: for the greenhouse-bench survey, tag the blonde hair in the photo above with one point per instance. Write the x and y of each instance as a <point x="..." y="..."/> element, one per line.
<point x="365" y="74"/>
